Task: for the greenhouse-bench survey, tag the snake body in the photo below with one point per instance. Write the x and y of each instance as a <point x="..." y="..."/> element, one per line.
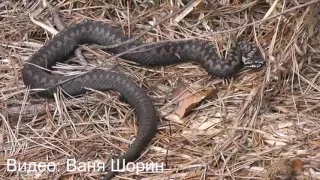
<point x="59" y="48"/>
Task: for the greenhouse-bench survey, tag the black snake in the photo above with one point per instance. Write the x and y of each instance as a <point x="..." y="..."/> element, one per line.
<point x="172" y="52"/>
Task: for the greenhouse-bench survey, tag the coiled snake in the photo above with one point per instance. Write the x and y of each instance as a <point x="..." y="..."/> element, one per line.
<point x="172" y="52"/>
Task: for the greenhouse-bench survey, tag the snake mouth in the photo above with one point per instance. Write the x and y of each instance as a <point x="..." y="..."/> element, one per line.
<point x="255" y="64"/>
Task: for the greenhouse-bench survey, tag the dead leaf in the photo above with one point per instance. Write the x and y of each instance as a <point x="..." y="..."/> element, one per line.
<point x="173" y="118"/>
<point x="192" y="100"/>
<point x="187" y="100"/>
<point x="316" y="143"/>
<point x="179" y="90"/>
<point x="205" y="5"/>
<point x="297" y="166"/>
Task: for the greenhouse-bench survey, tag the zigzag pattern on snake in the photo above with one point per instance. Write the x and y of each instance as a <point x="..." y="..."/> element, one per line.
<point x="64" y="44"/>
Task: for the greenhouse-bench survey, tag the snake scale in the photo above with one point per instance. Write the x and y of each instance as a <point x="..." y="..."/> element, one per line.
<point x="61" y="46"/>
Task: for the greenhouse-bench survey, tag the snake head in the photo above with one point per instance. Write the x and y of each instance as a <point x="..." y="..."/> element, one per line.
<point x="251" y="55"/>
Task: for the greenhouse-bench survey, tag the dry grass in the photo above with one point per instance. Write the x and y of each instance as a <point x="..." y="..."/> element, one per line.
<point x="255" y="119"/>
